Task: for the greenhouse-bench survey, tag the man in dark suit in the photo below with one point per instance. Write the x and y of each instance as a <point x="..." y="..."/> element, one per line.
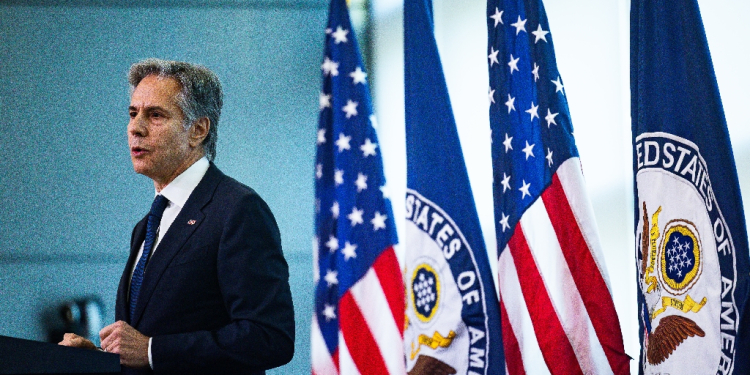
<point x="205" y="289"/>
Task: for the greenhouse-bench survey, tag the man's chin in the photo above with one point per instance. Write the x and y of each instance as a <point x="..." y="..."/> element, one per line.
<point x="141" y="168"/>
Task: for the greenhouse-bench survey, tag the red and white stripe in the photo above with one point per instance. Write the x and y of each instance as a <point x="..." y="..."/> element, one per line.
<point x="557" y="311"/>
<point x="371" y="321"/>
<point x="323" y="362"/>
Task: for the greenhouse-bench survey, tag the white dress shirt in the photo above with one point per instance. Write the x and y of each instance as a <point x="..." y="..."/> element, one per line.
<point x="177" y="192"/>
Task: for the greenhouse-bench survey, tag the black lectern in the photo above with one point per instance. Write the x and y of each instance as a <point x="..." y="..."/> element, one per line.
<point x="18" y="356"/>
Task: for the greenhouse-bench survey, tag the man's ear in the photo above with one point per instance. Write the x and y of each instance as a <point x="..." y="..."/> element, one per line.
<point x="199" y="131"/>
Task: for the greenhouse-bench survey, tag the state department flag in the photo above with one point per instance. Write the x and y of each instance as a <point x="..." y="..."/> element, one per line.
<point x="453" y="324"/>
<point x="358" y="321"/>
<point x="691" y="241"/>
<point x="557" y="312"/>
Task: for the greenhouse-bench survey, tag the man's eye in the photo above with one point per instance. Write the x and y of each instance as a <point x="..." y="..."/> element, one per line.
<point x="133" y="114"/>
<point x="156" y="115"/>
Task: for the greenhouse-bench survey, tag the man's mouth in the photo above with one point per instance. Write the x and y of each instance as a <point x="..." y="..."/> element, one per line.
<point x="138" y="151"/>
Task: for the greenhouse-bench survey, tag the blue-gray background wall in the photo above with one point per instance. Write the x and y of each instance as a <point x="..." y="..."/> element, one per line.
<point x="69" y="194"/>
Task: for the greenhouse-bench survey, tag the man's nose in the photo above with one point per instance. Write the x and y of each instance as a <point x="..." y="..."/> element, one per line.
<point x="137" y="125"/>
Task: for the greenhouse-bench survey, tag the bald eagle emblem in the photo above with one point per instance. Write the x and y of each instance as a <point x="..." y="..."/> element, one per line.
<point x="671" y="263"/>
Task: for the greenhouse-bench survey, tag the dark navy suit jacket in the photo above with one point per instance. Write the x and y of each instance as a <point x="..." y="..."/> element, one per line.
<point x="215" y="295"/>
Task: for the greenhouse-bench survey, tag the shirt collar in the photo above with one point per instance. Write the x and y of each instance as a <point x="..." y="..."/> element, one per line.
<point x="178" y="191"/>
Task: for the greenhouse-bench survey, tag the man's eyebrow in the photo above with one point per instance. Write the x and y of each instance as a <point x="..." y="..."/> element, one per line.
<point x="148" y="108"/>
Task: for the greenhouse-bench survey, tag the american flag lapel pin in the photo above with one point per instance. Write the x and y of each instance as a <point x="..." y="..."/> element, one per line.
<point x="191" y="222"/>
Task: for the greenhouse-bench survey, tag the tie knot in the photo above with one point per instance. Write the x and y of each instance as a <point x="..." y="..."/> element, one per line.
<point x="157" y="208"/>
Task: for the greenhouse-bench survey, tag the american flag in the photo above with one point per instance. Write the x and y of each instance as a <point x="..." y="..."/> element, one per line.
<point x="556" y="306"/>
<point x="359" y="291"/>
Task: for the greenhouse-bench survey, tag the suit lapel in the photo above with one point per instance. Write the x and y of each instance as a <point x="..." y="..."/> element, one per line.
<point x="122" y="306"/>
<point x="186" y="222"/>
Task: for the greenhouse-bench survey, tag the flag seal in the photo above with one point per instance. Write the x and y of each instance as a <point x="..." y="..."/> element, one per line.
<point x="679" y="257"/>
<point x="690" y="258"/>
<point x="446" y="316"/>
<point x="425" y="292"/>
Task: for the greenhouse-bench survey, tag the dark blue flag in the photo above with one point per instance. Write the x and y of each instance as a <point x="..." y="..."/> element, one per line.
<point x="453" y="321"/>
<point x="691" y="248"/>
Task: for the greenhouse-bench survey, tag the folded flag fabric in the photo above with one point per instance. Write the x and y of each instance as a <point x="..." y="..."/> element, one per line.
<point x="691" y="241"/>
<point x="359" y="290"/>
<point x="453" y="324"/>
<point x="558" y="316"/>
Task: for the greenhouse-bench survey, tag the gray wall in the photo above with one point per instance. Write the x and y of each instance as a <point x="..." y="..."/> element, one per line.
<point x="69" y="194"/>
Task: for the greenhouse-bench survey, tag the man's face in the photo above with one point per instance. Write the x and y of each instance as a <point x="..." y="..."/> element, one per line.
<point x="158" y="141"/>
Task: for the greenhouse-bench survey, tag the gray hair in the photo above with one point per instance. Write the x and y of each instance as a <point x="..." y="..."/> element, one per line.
<point x="200" y="96"/>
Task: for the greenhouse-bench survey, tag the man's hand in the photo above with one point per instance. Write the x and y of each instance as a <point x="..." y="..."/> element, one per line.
<point x="71" y="339"/>
<point x="132" y="346"/>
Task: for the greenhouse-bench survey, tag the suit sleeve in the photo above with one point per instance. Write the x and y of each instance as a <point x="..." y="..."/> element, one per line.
<point x="254" y="281"/>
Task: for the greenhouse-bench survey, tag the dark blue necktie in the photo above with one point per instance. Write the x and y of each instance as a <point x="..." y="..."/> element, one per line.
<point x="154" y="218"/>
